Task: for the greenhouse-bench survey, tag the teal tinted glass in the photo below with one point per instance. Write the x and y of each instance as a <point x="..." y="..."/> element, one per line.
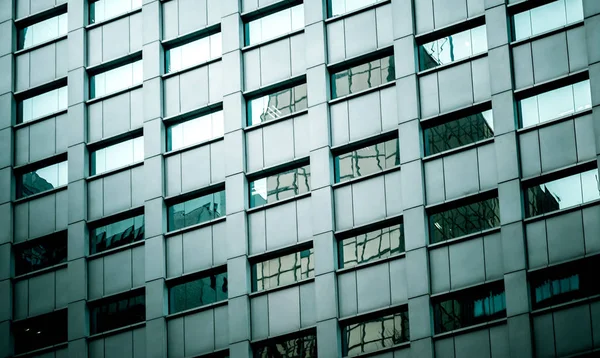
<point x="283" y="270"/>
<point x="42" y="31"/>
<point x="274" y="25"/>
<point x="373" y="245"/>
<point x="193" y="53"/>
<point x="375" y="334"/>
<point x="117" y="155"/>
<point x="367" y="160"/>
<point x="339" y="7"/>
<point x="280" y="186"/>
<point x="362" y="77"/>
<point x="198" y="292"/>
<point x="43" y="179"/>
<point x="304" y="346"/>
<point x="196" y="130"/>
<point x="117" y="234"/>
<point x="43" y="104"/>
<point x="196" y="211"/>
<point x="116" y="79"/>
<point x="105" y="9"/>
<point x="453" y="48"/>
<point x="459" y="132"/>
<point x="549" y="16"/>
<point x="277" y="104"/>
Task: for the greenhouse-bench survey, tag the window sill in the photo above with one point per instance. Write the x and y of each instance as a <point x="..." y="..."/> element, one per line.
<point x="41" y="88"/>
<point x="40" y="195"/>
<point x="476" y="327"/>
<point x="566" y="170"/>
<point x="40" y="45"/>
<point x="464" y="238"/>
<point x="114" y="62"/>
<point x="299" y="333"/>
<point x="429" y="121"/>
<point x="40" y="119"/>
<point x="114" y="171"/>
<point x="250" y="128"/>
<point x="279" y="288"/>
<point x="42" y="350"/>
<point x="207" y="30"/>
<point x="560" y="306"/>
<point x="277" y="203"/>
<point x="366" y="177"/>
<point x="456" y="150"/>
<point x="206" y="271"/>
<point x="458" y="26"/>
<point x="466" y="288"/>
<point x="468" y="198"/>
<point x="362" y="9"/>
<point x="451" y="64"/>
<point x="554" y="121"/>
<point x="89" y="102"/>
<point x="374" y="262"/>
<point x="276" y="169"/>
<point x="381" y="311"/>
<point x="35" y="238"/>
<point x="194" y="227"/>
<point x="196" y="310"/>
<point x="118" y="216"/>
<point x="191" y="68"/>
<point x="553" y="83"/>
<point x="43" y="162"/>
<point x="272" y="40"/>
<point x="281" y="251"/>
<point x="398" y="346"/>
<point x="559" y="263"/>
<point x="40" y="271"/>
<point x="35" y="17"/>
<point x="362" y="142"/>
<point x="196" y="112"/>
<point x="361" y="93"/>
<point x="193" y="146"/>
<point x="120" y="293"/>
<point x="546" y="33"/>
<point x="561" y="211"/>
<point x="112" y="332"/>
<point x="115" y="250"/>
<point x="112" y="19"/>
<point x="389" y="221"/>
<point x="269" y="88"/>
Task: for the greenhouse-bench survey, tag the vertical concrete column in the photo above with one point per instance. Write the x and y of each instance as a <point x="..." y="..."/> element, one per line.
<point x="591" y="12"/>
<point x="7" y="181"/>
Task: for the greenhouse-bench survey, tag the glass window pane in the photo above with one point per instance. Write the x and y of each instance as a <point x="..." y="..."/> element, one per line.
<point x="574" y="11"/>
<point x="363" y="76"/>
<point x="590" y="185"/>
<point x="479" y="40"/>
<point x="277" y="104"/>
<point x="43" y="179"/>
<point x="460" y="132"/>
<point x="196" y="130"/>
<point x="43" y="104"/>
<point x="274" y="25"/>
<point x="40" y="254"/>
<point x="556" y="103"/>
<point x="367" y="160"/>
<point x="119" y="311"/>
<point x="42" y="31"/>
<point x="582" y="95"/>
<point x="196" y="211"/>
<point x="283" y="270"/>
<point x="116" y="234"/>
<point x="280" y="186"/>
<point x="116" y="79"/>
<point x="371" y="246"/>
<point x="522" y="25"/>
<point x="548" y="17"/>
<point x="455" y="47"/>
<point x="117" y="155"/>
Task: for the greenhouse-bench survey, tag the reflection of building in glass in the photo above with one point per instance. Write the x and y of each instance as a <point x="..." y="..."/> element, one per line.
<point x="33" y="183"/>
<point x="465" y="220"/>
<point x="453" y="134"/>
<point x="206" y="212"/>
<point x="283" y="270"/>
<point x="540" y="200"/>
<point x="371" y="245"/>
<point x="284" y="102"/>
<point x="298" y="347"/>
<point x="375" y="334"/>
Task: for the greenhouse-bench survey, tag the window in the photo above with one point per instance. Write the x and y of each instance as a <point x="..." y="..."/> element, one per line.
<point x="556" y="103"/>
<point x="457" y="133"/>
<point x="367" y="160"/>
<point x="373" y="245"/>
<point x="43" y="104"/>
<point x="562" y="193"/>
<point x="117" y="234"/>
<point x="193" y="53"/>
<point x="280" y="186"/>
<point x="277" y="104"/>
<point x="564" y="283"/>
<point x="117" y="155"/>
<point x="195" y="211"/>
<point x="42" y="31"/>
<point x="196" y="130"/>
<point x="297" y="346"/>
<point x="197" y="292"/>
<point x="116" y="79"/>
<point x="338" y="7"/>
<point x="469" y="307"/>
<point x="543" y="18"/>
<point x="362" y="76"/>
<point x="118" y="311"/>
<point x="464" y="220"/>
<point x="375" y="333"/>
<point x="274" y="25"/>
<point x="283" y="270"/>
<point x="453" y="48"/>
<point x="43" y="179"/>
<point x="40" y="253"/>
<point x="105" y="9"/>
<point x="40" y="332"/>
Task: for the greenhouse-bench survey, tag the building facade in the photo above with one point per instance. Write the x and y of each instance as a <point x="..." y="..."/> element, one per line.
<point x="288" y="178"/>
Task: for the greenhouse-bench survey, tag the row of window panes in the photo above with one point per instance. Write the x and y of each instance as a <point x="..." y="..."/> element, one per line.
<point x="280" y="186"/>
<point x="563" y="193"/>
<point x="274" y="25"/>
<point x="375" y="334"/>
<point x="464" y="220"/>
<point x="117" y="234"/>
<point x="283" y="270"/>
<point x="193" y="53"/>
<point x="117" y="155"/>
<point x="198" y="292"/>
<point x="555" y="104"/>
<point x="43" y="104"/>
<point x="43" y="31"/>
<point x="116" y="312"/>
<point x="362" y="77"/>
<point x="41" y="331"/>
<point x="277" y="104"/>
<point x="364" y="161"/>
<point x="197" y="130"/>
<point x="460" y="132"/>
<point x="468" y="308"/>
<point x="196" y="211"/>
<point x="116" y="79"/>
<point x="40" y="253"/>
<point x="552" y="15"/>
<point x="452" y="48"/>
<point x="371" y="246"/>
<point x="297" y="347"/>
<point x="339" y="7"/>
<point x="105" y="9"/>
<point x="43" y="179"/>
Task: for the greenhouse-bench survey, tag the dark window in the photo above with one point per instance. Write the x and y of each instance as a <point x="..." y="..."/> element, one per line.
<point x="304" y="346"/>
<point x="283" y="270"/>
<point x="117" y="234"/>
<point x="280" y="186"/>
<point x="362" y="76"/>
<point x="453" y="48"/>
<point x="197" y="292"/>
<point x="375" y="333"/>
<point x="198" y="210"/>
<point x="469" y="307"/>
<point x="459" y="132"/>
<point x="42" y="179"/>
<point x="277" y="104"/>
<point x="372" y="245"/>
<point x="464" y="220"/>
<point x="40" y="253"/>
<point x="118" y="311"/>
<point x="367" y="160"/>
<point x="41" y="331"/>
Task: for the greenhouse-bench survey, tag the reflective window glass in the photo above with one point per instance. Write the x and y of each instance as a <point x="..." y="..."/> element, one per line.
<point x="552" y="15"/>
<point x="280" y="186"/>
<point x="117" y="234"/>
<point x="40" y="253"/>
<point x="116" y="79"/>
<point x="117" y="155"/>
<point x="196" y="211"/>
<point x="193" y="53"/>
<point x="362" y="77"/>
<point x="41" y="331"/>
<point x="42" y="31"/>
<point x="464" y="220"/>
<point x="375" y="333"/>
<point x="105" y="9"/>
<point x="371" y="246"/>
<point x="304" y="346"/>
<point x="277" y="104"/>
<point x="198" y="292"/>
<point x="274" y="25"/>
<point x="459" y="132"/>
<point x="197" y="130"/>
<point x="453" y="48"/>
<point x="339" y="7"/>
<point x="119" y="311"/>
<point x="468" y="308"/>
<point x="283" y="270"/>
<point x="43" y="179"/>
<point x="364" y="161"/>
<point x="43" y="104"/>
<point x="562" y="193"/>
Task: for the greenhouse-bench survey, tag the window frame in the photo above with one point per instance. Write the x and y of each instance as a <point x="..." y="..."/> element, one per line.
<point x="96" y="71"/>
<point x="188" y="118"/>
<point x="310" y="334"/>
<point x="197" y="276"/>
<point x="303" y="164"/>
<point x="62" y="93"/>
<point x="291" y="85"/>
<point x="31" y="168"/>
<point x="106" y="302"/>
<point x="104" y="145"/>
<point x="29" y="22"/>
<point x="55" y="322"/>
<point x="264" y="12"/>
<point x="353" y="63"/>
<point x="278" y="254"/>
<point x="198" y="194"/>
<point x="111" y="220"/>
<point x="21" y="248"/>
<point x="92" y="11"/>
<point x="180" y="42"/>
<point x="528" y="7"/>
